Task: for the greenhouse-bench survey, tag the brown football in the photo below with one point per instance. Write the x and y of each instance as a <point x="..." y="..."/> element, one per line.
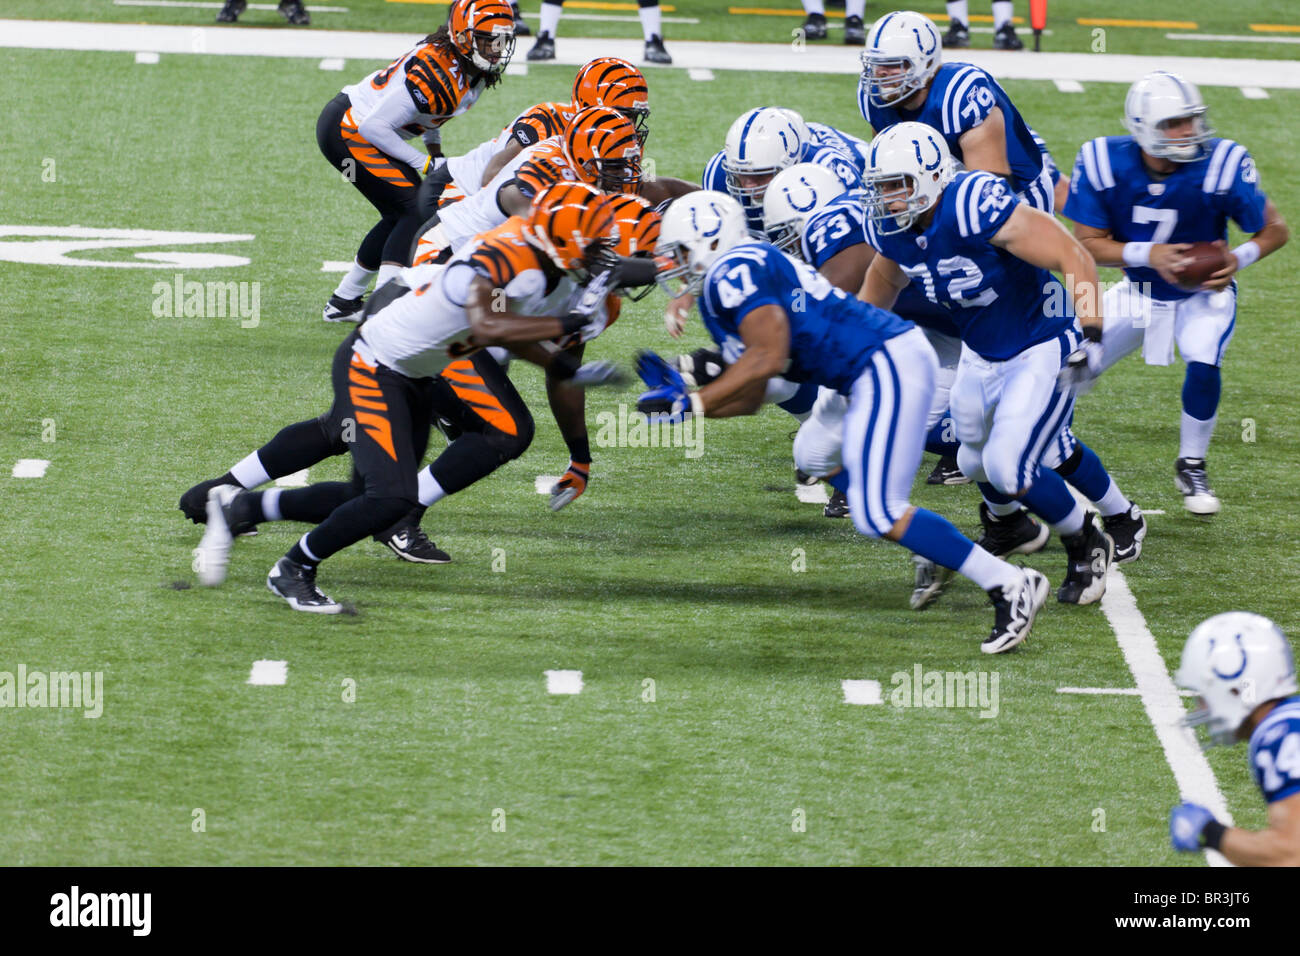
<point x="1203" y="260"/>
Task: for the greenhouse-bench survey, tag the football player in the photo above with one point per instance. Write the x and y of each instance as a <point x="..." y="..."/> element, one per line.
<point x="363" y="131"/>
<point x="1240" y="667"/>
<point x="814" y="25"/>
<point x="1137" y="201"/>
<point x="1004" y="33"/>
<point x="651" y="27"/>
<point x="984" y="254"/>
<point x="772" y="315"/>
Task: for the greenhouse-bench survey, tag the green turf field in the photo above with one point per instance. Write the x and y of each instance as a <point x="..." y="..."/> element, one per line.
<point x="743" y="606"/>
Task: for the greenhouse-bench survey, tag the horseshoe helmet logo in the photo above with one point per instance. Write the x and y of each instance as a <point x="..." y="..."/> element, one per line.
<point x="717" y="224"/>
<point x="1238" y="672"/>
<point x="812" y="197"/>
<point x="920" y="41"/>
<point x="938" y="155"/>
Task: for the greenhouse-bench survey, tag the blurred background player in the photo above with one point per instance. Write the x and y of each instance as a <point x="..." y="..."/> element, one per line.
<point x="855" y="31"/>
<point x="1004" y="34"/>
<point x="651" y="27"/>
<point x="291" y="10"/>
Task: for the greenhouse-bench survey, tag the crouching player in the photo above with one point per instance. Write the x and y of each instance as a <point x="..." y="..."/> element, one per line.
<point x="774" y="315"/>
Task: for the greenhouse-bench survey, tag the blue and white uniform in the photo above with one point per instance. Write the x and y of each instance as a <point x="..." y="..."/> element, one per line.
<point x="858" y="149"/>
<point x="960" y="98"/>
<point x="1017" y="327"/>
<point x="1275" y="752"/>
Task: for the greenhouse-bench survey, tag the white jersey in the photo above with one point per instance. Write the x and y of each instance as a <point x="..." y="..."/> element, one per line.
<point x="462" y="221"/>
<point x="527" y="129"/>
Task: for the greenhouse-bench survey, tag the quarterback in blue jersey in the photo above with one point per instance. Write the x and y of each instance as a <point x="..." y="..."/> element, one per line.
<point x="904" y="79"/>
<point x="774" y="315"/>
<point x="1241" y="667"/>
<point x="983" y="255"/>
<point x="1137" y="201"/>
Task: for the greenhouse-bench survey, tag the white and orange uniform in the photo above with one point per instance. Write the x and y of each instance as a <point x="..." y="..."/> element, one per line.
<point x="528" y="128"/>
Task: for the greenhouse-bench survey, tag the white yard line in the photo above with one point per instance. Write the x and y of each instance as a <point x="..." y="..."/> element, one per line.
<point x="543" y="484"/>
<point x="1230" y="38"/>
<point x="333" y="63"/>
<point x="330" y="265"/>
<point x="210" y="5"/>
<point x="269" y="672"/>
<point x="1121" y="691"/>
<point x="1069" y="86"/>
<point x="297" y="480"/>
<point x="863" y="692"/>
<point x="702" y="74"/>
<point x="30" y="468"/>
<point x="1254" y="93"/>
<point x="147" y="58"/>
<point x="812" y="494"/>
<point x="563" y="682"/>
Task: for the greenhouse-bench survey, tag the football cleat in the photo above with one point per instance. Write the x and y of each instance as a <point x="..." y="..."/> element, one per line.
<point x="838" y="506"/>
<point x="296" y="583"/>
<point x="855" y="31"/>
<point x="929" y="581"/>
<point x="231" y="11"/>
<point x="1127" y="530"/>
<point x="521" y="25"/>
<point x="1014" y="612"/>
<point x="1006" y="39"/>
<point x="212" y="556"/>
<point x="1192" y="482"/>
<point x="543" y="48"/>
<point x="802" y="477"/>
<point x="194" y="503"/>
<point x="814" y="28"/>
<point x="957" y="36"/>
<point x="1019" y="533"/>
<point x="343" y="310"/>
<point x="1090" y="553"/>
<point x="946" y="472"/>
<point x="655" y="52"/>
<point x="295" y="13"/>
<point x="410" y="543"/>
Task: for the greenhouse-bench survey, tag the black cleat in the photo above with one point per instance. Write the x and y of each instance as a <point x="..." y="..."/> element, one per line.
<point x="946" y="472"/>
<point x="1089" y="553"/>
<point x="343" y="310"/>
<point x="1019" y="533"/>
<point x="814" y="28"/>
<point x="802" y="477"/>
<point x="521" y="25"/>
<point x="296" y="583"/>
<point x="855" y="32"/>
<point x="1014" y="612"/>
<point x="295" y="13"/>
<point x="957" y="37"/>
<point x="1006" y="39"/>
<point x="543" y="49"/>
<point x="194" y="503"/>
<point x="1127" y="530"/>
<point x="231" y="11"/>
<point x="410" y="543"/>
<point x="1194" y="484"/>
<point x="838" y="506"/>
<point x="655" y="52"/>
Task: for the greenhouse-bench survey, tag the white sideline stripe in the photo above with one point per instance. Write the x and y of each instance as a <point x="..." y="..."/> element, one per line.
<point x="544" y="483"/>
<point x="862" y="692"/>
<point x="767" y="57"/>
<point x="1153" y="511"/>
<point x="297" y="480"/>
<point x="563" y="682"/>
<point x="30" y="468"/>
<point x="146" y="57"/>
<point x="330" y="265"/>
<point x="1254" y="93"/>
<point x="208" y="5"/>
<point x="1127" y="691"/>
<point x="516" y="69"/>
<point x="1069" y="86"/>
<point x="269" y="672"/>
<point x="812" y="494"/>
<point x="1161" y="701"/>
<point x="1230" y="38"/>
<point x="703" y="74"/>
<point x="332" y="63"/>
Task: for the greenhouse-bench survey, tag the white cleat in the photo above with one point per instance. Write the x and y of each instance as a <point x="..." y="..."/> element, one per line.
<point x="212" y="556"/>
<point x="1194" y="485"/>
<point x="1014" y="612"/>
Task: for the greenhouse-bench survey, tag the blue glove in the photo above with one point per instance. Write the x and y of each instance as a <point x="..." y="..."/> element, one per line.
<point x="665" y="405"/>
<point x="656" y="372"/>
<point x="1185" y="825"/>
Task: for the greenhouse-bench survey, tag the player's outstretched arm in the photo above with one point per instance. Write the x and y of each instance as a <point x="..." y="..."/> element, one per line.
<point x="498" y="162"/>
<point x="493" y="324"/>
<point x="1269" y="239"/>
<point x="1278" y="845"/>
<point x="741" y="388"/>
<point x="883" y="282"/>
<point x="985" y="146"/>
<point x="662" y="188"/>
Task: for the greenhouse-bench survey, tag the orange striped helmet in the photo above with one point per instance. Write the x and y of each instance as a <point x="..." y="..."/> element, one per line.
<point x="573" y="224"/>
<point x="483" y="32"/>
<point x="603" y="146"/>
<point x="609" y="81"/>
<point x="638" y="233"/>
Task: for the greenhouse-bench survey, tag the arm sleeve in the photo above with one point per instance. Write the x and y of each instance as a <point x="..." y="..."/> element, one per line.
<point x="380" y="129"/>
<point x="968" y="100"/>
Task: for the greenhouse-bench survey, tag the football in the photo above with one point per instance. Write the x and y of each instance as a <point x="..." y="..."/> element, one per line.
<point x="1203" y="260"/>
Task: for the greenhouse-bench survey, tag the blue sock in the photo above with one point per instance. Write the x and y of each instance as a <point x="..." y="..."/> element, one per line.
<point x="839" y="481"/>
<point x="935" y="443"/>
<point x="1201" y="389"/>
<point x="1085" y="471"/>
<point x="802" y="401"/>
<point x="1048" y="497"/>
<point x="933" y="536"/>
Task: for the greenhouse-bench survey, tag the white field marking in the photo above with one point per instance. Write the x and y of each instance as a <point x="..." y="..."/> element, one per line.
<point x="333" y="63"/>
<point x="1153" y="511"/>
<point x="269" y="672"/>
<point x="146" y="58"/>
<point x="1254" y="93"/>
<point x="610" y="19"/>
<point x="702" y="74"/>
<point x="563" y="682"/>
<point x="1162" y="703"/>
<point x="297" y="480"/>
<point x="1069" y="86"/>
<point x="54" y="246"/>
<point x="516" y="69"/>
<point x="812" y="494"/>
<point x="544" y="483"/>
<point x="208" y="5"/>
<point x="767" y="57"/>
<point x="861" y="692"/>
<point x="1230" y="38"/>
<point x="330" y="265"/>
<point x="30" y="468"/>
<point x="1125" y="691"/>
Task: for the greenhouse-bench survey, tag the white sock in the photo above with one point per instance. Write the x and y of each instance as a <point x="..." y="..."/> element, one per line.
<point x="386" y="272"/>
<point x="959" y="10"/>
<point x="1194" y="436"/>
<point x="1002" y="510"/>
<point x="355" y="283"/>
<point x="430" y="490"/>
<point x="271" y="503"/>
<point x="550" y="18"/>
<point x="987" y="571"/>
<point x="1002" y="10"/>
<point x="249" y="472"/>
<point x="651" y="21"/>
<point x="1071" y="523"/>
<point x="814" y="6"/>
<point x="1113" y="501"/>
<point x="855" y="8"/>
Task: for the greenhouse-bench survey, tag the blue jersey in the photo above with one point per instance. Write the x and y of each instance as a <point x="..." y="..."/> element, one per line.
<point x="1048" y="161"/>
<point x="1112" y="189"/>
<point x="832" y="335"/>
<point x="834" y="158"/>
<point x="858" y="150"/>
<point x="961" y="98"/>
<point x="1001" y="304"/>
<point x="1275" y="751"/>
<point x="842" y="224"/>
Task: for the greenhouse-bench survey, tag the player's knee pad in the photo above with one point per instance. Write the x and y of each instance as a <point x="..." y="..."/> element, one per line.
<point x="971" y="462"/>
<point x="818" y="450"/>
<point x="1000" y="471"/>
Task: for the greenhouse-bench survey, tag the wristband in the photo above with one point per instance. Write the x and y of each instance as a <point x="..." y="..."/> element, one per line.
<point x="579" y="450"/>
<point x="1137" y="254"/>
<point x="1246" y="253"/>
<point x="697" y="404"/>
<point x="1091" y="333"/>
<point x="1212" y="835"/>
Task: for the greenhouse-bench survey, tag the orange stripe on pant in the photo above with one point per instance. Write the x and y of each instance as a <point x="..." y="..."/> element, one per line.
<point x="478" y="397"/>
<point x="378" y="428"/>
